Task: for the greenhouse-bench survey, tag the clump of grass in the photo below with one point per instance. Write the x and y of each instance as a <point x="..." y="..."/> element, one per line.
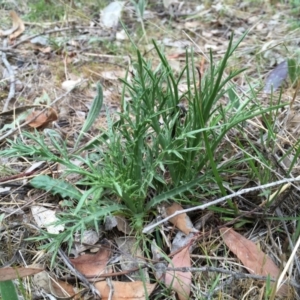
<point x="164" y="142"/>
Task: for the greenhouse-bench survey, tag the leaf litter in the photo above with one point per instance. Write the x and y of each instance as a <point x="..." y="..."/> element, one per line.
<point x="46" y="66"/>
<point x="93" y="265"/>
<point x="253" y="258"/>
<point x="180" y="281"/>
<point x="276" y="77"/>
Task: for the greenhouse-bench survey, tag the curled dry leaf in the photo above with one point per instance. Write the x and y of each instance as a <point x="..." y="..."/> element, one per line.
<point x="182" y="221"/>
<point x="17" y="27"/>
<point x="276" y="77"/>
<point x="15" y="273"/>
<point x="92" y="265"/>
<point x="18" y="24"/>
<point x="68" y="85"/>
<point x="179" y="281"/>
<point x="41" y="119"/>
<point x="254" y="259"/>
<point x="125" y="290"/>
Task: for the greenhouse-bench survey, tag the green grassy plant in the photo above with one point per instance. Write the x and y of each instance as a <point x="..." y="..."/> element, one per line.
<point x="140" y="7"/>
<point x="164" y="142"/>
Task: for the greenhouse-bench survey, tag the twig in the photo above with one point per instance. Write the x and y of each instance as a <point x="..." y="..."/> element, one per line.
<point x="20" y="175"/>
<point x="39" y="34"/>
<point x="111" y="288"/>
<point x="10" y="71"/>
<point x="201" y="207"/>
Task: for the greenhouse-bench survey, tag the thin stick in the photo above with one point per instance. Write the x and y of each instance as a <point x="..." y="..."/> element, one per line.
<point x="39" y="34"/>
<point x="201" y="207"/>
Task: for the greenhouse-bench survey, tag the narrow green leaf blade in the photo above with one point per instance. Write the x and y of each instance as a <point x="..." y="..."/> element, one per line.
<point x="56" y="186"/>
<point x="8" y="290"/>
<point x="172" y="193"/>
<point x="93" y="113"/>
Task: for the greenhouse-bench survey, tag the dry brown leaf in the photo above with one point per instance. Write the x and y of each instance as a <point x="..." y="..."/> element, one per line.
<point x="125" y="290"/>
<point x="254" y="259"/>
<point x="92" y="265"/>
<point x="11" y="30"/>
<point x="41" y="119"/>
<point x="18" y="24"/>
<point x="14" y="273"/>
<point x="182" y="221"/>
<point x="179" y="281"/>
<point x="61" y="289"/>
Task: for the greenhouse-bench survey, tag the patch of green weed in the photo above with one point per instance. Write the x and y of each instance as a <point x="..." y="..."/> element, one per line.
<point x="42" y="10"/>
<point x="166" y="144"/>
